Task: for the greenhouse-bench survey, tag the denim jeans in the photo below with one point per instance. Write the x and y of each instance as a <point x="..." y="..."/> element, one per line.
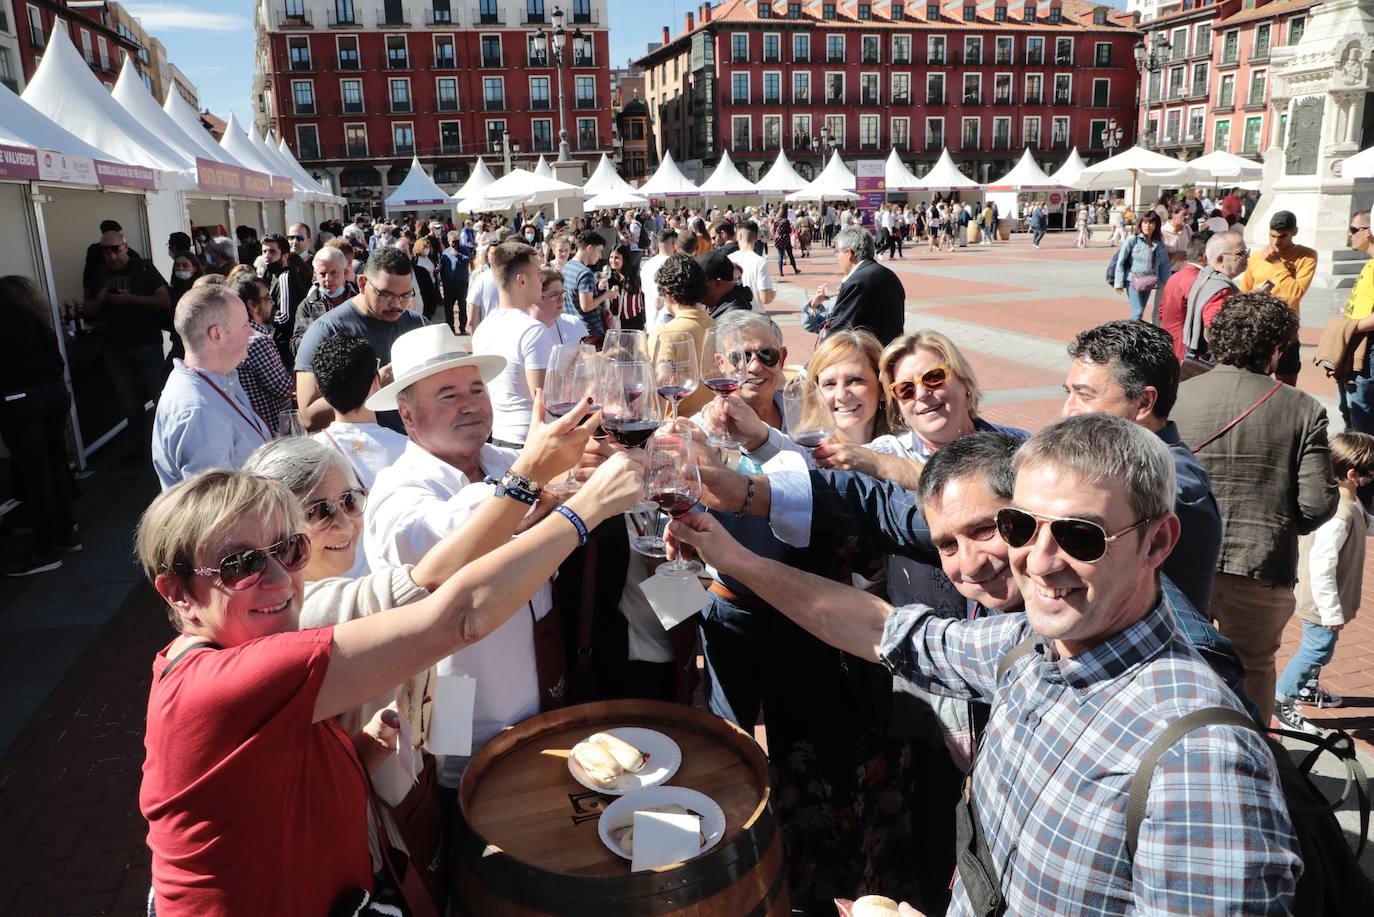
<point x="1357" y="399"/>
<point x="1317" y="647"/>
<point x="732" y="644"/>
<point x="1138" y="299"/>
<point x="138" y="374"/>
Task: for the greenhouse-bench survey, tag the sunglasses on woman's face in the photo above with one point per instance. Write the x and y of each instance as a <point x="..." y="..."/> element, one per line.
<point x="244" y="569"/>
<point x="933" y="378"/>
<point x="1080" y="539"/>
<point x="321" y="513"/>
<point x="768" y="356"/>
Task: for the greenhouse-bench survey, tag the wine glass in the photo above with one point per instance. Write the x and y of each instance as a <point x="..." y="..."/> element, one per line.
<point x="623" y="345"/>
<point x="575" y="374"/>
<point x="675" y="366"/>
<point x="724" y="369"/>
<point x="289" y="424"/>
<point x="809" y="421"/>
<point x="630" y="414"/>
<point x="558" y="397"/>
<point x="672" y="481"/>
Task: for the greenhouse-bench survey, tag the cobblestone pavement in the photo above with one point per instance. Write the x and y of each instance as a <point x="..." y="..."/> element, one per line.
<point x="76" y="647"/>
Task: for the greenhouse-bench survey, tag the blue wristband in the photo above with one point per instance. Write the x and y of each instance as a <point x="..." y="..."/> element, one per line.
<point x="576" y="520"/>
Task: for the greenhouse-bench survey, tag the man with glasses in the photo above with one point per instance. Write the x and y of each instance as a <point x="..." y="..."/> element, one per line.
<point x="1194" y="294"/>
<point x="1357" y="393"/>
<point x="265" y="379"/>
<point x="871" y="296"/>
<point x="380" y="313"/>
<point x="1095" y="670"/>
<point x="299" y="237"/>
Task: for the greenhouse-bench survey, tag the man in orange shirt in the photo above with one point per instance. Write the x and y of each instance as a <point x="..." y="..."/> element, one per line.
<point x="1285" y="271"/>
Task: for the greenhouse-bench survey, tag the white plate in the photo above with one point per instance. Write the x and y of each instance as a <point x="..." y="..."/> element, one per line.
<point x="712" y="818"/>
<point x="664" y="759"/>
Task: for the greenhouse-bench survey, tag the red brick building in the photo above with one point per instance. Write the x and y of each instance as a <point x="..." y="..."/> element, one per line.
<point x="985" y="78"/>
<point x="359" y="86"/>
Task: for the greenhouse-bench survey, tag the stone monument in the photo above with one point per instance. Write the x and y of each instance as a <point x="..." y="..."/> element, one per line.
<point x="1322" y="89"/>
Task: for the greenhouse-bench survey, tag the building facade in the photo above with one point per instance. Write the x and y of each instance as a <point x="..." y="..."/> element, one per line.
<point x="104" y="33"/>
<point x="358" y="87"/>
<point x="1205" y="80"/>
<point x="633" y="143"/>
<point x="983" y="78"/>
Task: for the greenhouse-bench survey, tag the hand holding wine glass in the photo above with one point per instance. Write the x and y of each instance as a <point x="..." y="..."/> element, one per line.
<point x="809" y="421"/>
<point x="631" y="414"/>
<point x="675" y="367"/>
<point x="724" y="369"/>
<point x="673" y="482"/>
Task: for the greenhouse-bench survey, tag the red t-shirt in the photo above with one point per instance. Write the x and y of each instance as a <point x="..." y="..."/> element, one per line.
<point x="251" y="808"/>
<point x="1173" y="305"/>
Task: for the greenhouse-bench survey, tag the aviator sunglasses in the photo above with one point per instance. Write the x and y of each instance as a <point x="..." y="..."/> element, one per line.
<point x="933" y="378"/>
<point x="244" y="569"/>
<point x="1080" y="539"/>
<point x="320" y="513"/>
<point x="768" y="356"/>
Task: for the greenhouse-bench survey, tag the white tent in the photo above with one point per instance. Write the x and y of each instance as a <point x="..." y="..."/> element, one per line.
<point x="65" y="90"/>
<point x="1361" y="165"/>
<point x="236" y="143"/>
<point x="835" y="183"/>
<point x="181" y="113"/>
<point x="543" y="169"/>
<point x="1127" y="167"/>
<point x="945" y="176"/>
<point x="22" y="124"/>
<point x="1025" y="176"/>
<point x="781" y="178"/>
<point x="605" y="183"/>
<point x="131" y="93"/>
<point x="668" y="181"/>
<point x="480" y="178"/>
<point x="1220" y="165"/>
<point x="726" y="179"/>
<point x="613" y="200"/>
<point x="285" y="153"/>
<point x="896" y="175"/>
<point x="1067" y="175"/>
<point x="417" y="191"/>
<point x="519" y="187"/>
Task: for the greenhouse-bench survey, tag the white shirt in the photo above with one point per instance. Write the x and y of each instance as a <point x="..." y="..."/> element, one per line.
<point x="413" y="505"/>
<point x="524" y="342"/>
<point x="754" y="273"/>
<point x="1322" y="568"/>
<point x="648" y="269"/>
<point x="369" y="447"/>
<point x="483" y="297"/>
<point x="1216" y="224"/>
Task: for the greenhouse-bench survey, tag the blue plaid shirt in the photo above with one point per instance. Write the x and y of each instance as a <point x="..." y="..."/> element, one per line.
<point x="1065" y="739"/>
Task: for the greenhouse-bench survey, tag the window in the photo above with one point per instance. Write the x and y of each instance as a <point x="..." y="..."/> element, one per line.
<point x="973" y="49"/>
<point x="827" y="11"/>
<point x="534" y="11"/>
<point x="582" y="51"/>
<point x="6" y="68"/>
<point x="801" y="48"/>
<point x="1226" y="95"/>
<point x="537" y="57"/>
<point x="772" y="132"/>
<point x="1059" y="132"/>
<point x="450" y="138"/>
<point x="1259" y="81"/>
<point x="834" y="49"/>
<point x="739" y="133"/>
<point x="968" y="134"/>
<point x="297" y="48"/>
<point x="869" y="47"/>
<point x="772" y="48"/>
<point x="1202" y="44"/>
<point x="935" y="133"/>
<point x="739" y="47"/>
<point x="1056" y="14"/>
<point x="1296" y="27"/>
<point x="442" y="11"/>
<point x="586" y="134"/>
<point x="801" y="87"/>
<point x="1221" y="135"/>
<point x="1178" y="44"/>
<point x="765" y="9"/>
<point x="1035" y="84"/>
<point x="495" y="132"/>
<point x="396" y="56"/>
<point x="351" y="94"/>
<point x="794" y="11"/>
<point x="1176" y="83"/>
<point x="900" y="131"/>
<point x="739" y="88"/>
<point x="355" y="139"/>
<point x="868" y="89"/>
<point x="1030" y="131"/>
<point x="586" y="91"/>
<point x="901" y="89"/>
<point x="834" y="124"/>
<point x="343" y="13"/>
<point x="1200" y="74"/>
<point x="973" y="89"/>
<point x="1156" y="81"/>
<point x="1230" y="47"/>
<point x="37" y="35"/>
<point x="1261" y="41"/>
<point x="901" y="49"/>
<point x="1001" y="89"/>
<point x="403" y="138"/>
<point x="493" y="93"/>
<point x="443" y="52"/>
<point x="999" y="14"/>
<point x="89" y="52"/>
<point x="1063" y="89"/>
<point x="1004" y="51"/>
<point x="935" y="49"/>
<point x="935" y="89"/>
<point x="307" y="142"/>
<point x="1251" y="142"/>
<point x="869" y="129"/>
<point x="582" y="11"/>
<point x="1195" y="121"/>
<point x="539" y="93"/>
<point x="491" y="50"/>
<point x="1063" y="52"/>
<point x="970" y="12"/>
<point x="897" y="13"/>
<point x="541" y="135"/>
<point x="1172" y="122"/>
<point x="348" y="52"/>
<point x="295" y="9"/>
<point x="772" y="88"/>
<point x="488" y="12"/>
<point x="1102" y="91"/>
<point x="834" y="88"/>
<point x="1001" y="133"/>
<point x="1035" y="52"/>
<point x="1102" y="54"/>
<point x="801" y="132"/>
<point x="1280" y="140"/>
<point x="447" y="93"/>
<point x="399" y="92"/>
<point x="303" y="96"/>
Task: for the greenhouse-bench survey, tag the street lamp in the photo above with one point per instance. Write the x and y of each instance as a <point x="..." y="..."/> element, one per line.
<point x="1150" y="59"/>
<point x="509" y="148"/>
<point x="1111" y="136"/>
<point x="556" y="38"/>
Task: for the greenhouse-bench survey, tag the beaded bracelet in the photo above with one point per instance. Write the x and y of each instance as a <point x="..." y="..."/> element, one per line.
<point x="516" y="487"/>
<point x="576" y="520"/>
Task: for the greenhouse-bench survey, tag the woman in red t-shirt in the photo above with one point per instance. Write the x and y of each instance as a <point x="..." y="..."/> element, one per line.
<point x="255" y="798"/>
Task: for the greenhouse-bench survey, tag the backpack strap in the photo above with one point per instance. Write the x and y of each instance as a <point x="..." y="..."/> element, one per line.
<point x="1244" y="414"/>
<point x="1008" y="660"/>
<point x="1140" y="783"/>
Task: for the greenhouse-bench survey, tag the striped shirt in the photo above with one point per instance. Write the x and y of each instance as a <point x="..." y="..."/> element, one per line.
<point x="1065" y="739"/>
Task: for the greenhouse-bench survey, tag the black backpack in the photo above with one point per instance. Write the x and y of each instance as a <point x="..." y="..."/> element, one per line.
<point x="1331" y="880"/>
<point x="644" y="240"/>
<point x="1111" y="265"/>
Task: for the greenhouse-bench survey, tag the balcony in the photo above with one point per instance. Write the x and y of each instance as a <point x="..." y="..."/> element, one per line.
<point x="833" y="58"/>
<point x="396" y="19"/>
<point x="1250" y="148"/>
<point x="349" y="20"/>
<point x="491" y="61"/>
<point x="774" y="98"/>
<point x="542" y="145"/>
<point x="446" y="105"/>
<point x="352" y="108"/>
<point x="973" y="57"/>
<point x="1003" y="59"/>
<point x="1001" y="142"/>
<point x="586" y="142"/>
<point x="739" y="144"/>
<point x="801" y="98"/>
<point x="347" y="63"/>
<point x="356" y="151"/>
<point x="1063" y="60"/>
<point x="533" y="17"/>
<point x="445" y="62"/>
<point x="539" y="105"/>
<point x="491" y="17"/>
<point x="973" y="98"/>
<point x="402" y="107"/>
<point x="441" y="18"/>
<point x="494" y="104"/>
<point x="1003" y="98"/>
<point x="304" y="108"/>
<point x="1063" y="99"/>
<point x="801" y="58"/>
<point x="293" y="20"/>
<point x="772" y="57"/>
<point x="308" y="152"/>
<point x="870" y="59"/>
<point x="297" y="65"/>
<point x="1032" y="141"/>
<point x="449" y="148"/>
<point x="935" y="60"/>
<point x="771" y="144"/>
<point x="585" y="102"/>
<point x="935" y="141"/>
<point x="1035" y="59"/>
<point x="585" y="17"/>
<point x="397" y="61"/>
<point x="403" y="149"/>
<point x="901" y="57"/>
<point x="739" y="58"/>
<point x="869" y="98"/>
<point x="901" y="98"/>
<point x="1032" y="99"/>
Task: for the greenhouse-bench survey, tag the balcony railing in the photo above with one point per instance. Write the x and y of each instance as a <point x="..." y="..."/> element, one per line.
<point x="1032" y="141"/>
<point x="801" y="98"/>
<point x="583" y="60"/>
<point x="347" y="63"/>
<point x="445" y="62"/>
<point x="349" y="20"/>
<point x="935" y="59"/>
<point x="533" y="17"/>
<point x="801" y="142"/>
<point x="435" y="17"/>
<point x="868" y="144"/>
<point x="901" y="98"/>
<point x="352" y="108"/>
<point x="491" y="60"/>
<point x="585" y="102"/>
<point x="394" y="20"/>
<point x="585" y="17"/>
<point x="394" y="62"/>
<point x="772" y="57"/>
<point x="293" y="20"/>
<point x="1035" y="59"/>
<point x="1103" y="58"/>
<point x="870" y="58"/>
<point x="973" y="57"/>
<point x="308" y="153"/>
<point x="297" y="65"/>
<point x="491" y="17"/>
<point x="1060" y="142"/>
<point x="973" y="98"/>
<point x="1032" y="99"/>
<point x="586" y="141"/>
<point x="773" y="98"/>
<point x="739" y="57"/>
<point x="540" y="104"/>
<point x="801" y="58"/>
<point x="353" y="151"/>
<point x="832" y="57"/>
<point x="538" y="60"/>
<point x="304" y="108"/>
<point x="868" y="98"/>
<point x="403" y="149"/>
<point x="402" y="107"/>
<point x="1002" y="98"/>
<point x="543" y="145"/>
<point x="935" y="98"/>
<point x="446" y="105"/>
<point x="739" y="144"/>
<point x="450" y="149"/>
<point x="497" y="104"/>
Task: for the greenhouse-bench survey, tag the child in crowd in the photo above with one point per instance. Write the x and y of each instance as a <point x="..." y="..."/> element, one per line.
<point x="1330" y="569"/>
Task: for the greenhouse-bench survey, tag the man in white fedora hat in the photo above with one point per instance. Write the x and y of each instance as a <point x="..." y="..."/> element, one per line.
<point x="440" y="480"/>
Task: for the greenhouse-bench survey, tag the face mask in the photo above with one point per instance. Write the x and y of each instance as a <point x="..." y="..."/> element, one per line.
<point x="182" y="275"/>
<point x="529" y="237"/>
<point x="334" y="294"/>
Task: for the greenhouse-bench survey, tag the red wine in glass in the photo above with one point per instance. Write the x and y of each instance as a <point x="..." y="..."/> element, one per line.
<point x="674" y="502"/>
<point x="675" y="392"/>
<point x="811" y="439"/>
<point x="723" y="386"/>
<point x="632" y="434"/>
<point x="632" y="395"/>
<point x="559" y="408"/>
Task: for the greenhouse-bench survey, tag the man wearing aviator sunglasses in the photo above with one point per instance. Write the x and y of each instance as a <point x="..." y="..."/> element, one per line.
<point x="1357" y="393"/>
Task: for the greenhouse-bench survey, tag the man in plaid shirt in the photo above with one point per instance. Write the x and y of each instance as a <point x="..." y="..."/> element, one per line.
<point x="263" y="375"/>
<point x="1071" y="720"/>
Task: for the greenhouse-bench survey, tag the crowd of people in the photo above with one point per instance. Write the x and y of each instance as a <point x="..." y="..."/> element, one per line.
<point x="357" y="504"/>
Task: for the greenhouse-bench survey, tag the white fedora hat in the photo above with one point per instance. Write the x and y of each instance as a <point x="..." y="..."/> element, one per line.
<point x="423" y="352"/>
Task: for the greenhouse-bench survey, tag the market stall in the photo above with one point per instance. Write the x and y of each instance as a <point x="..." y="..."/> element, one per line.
<point x="668" y="181"/>
<point x="417" y="192"/>
<point x="835" y="183"/>
<point x="781" y="179"/>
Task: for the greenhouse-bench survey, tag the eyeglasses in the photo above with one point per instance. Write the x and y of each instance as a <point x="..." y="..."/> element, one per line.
<point x="768" y="356"/>
<point x="1082" y="540"/>
<point x="551" y="294"/>
<point x="296" y="238"/>
<point x="244" y="569"/>
<point x="388" y="296"/>
<point x="1355" y="230"/>
<point x="933" y="378"/>
<point x="321" y="513"/>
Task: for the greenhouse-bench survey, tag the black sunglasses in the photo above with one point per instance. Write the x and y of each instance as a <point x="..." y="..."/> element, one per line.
<point x="1082" y="540"/>
<point x="322" y="512"/>
<point x="768" y="356"/>
<point x="244" y="569"/>
<point x="296" y="238"/>
<point x="1357" y="229"/>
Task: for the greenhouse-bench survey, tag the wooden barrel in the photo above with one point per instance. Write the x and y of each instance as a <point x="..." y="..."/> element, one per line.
<point x="527" y="832"/>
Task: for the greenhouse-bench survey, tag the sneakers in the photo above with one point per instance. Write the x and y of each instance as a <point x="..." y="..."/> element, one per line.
<point x="1320" y="697"/>
<point x="28" y="566"/>
<point x="1288" y="715"/>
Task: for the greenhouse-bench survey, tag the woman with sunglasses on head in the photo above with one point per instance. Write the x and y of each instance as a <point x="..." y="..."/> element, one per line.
<point x="256" y="798"/>
<point x="1142" y="263"/>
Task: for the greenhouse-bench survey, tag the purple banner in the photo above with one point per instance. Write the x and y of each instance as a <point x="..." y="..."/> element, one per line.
<point x="871" y="183"/>
<point x="119" y="175"/>
<point x="18" y="162"/>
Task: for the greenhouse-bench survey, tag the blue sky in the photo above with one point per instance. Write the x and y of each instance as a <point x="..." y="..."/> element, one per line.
<point x="212" y="43"/>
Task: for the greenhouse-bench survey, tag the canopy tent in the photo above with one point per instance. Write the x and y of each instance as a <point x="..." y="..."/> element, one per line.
<point x="835" y="183"/>
<point x="131" y="93"/>
<point x="285" y="153"/>
<point x="668" y="181"/>
<point x="1026" y="175"/>
<point x="896" y="175"/>
<point x="613" y="200"/>
<point x="781" y="178"/>
<point x="606" y="184"/>
<point x="517" y="188"/>
<point x="22" y="124"/>
<point x="1220" y="165"/>
<point x="480" y="178"/>
<point x="1067" y="175"/>
<point x="543" y="169"/>
<point x="186" y="118"/>
<point x="417" y="191"/>
<point x="725" y="179"/>
<point x="1361" y="165"/>
<point x="945" y="176"/>
<point x="1127" y="168"/>
<point x="236" y="143"/>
